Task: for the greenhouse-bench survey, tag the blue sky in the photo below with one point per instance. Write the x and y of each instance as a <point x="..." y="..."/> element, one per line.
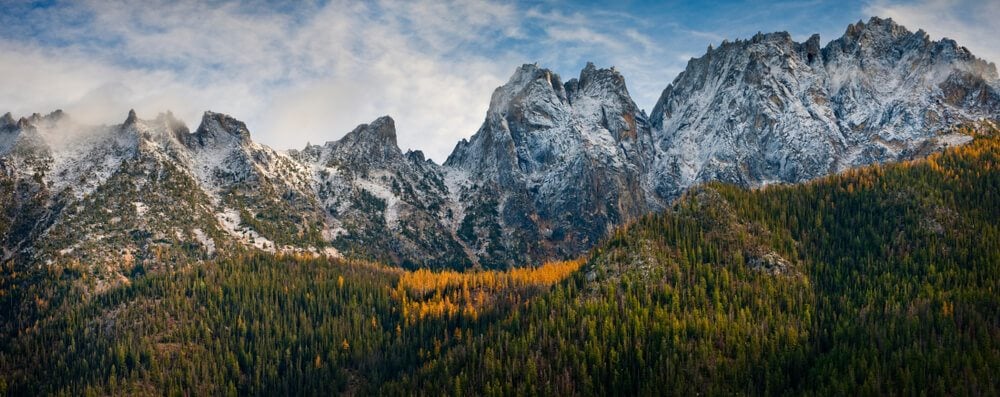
<point x="301" y="71"/>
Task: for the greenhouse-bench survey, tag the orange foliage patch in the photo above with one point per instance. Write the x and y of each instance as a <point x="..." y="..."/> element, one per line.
<point x="424" y="293"/>
<point x="423" y="281"/>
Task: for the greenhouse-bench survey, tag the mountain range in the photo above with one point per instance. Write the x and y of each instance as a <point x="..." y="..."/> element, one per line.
<point x="553" y="169"/>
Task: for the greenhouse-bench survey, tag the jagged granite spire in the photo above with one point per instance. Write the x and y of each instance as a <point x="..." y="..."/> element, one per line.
<point x="383" y="204"/>
<point x="219" y="129"/>
<point x="132" y="118"/>
<point x="7" y="121"/>
<point x="555" y="165"/>
<point x="603" y="94"/>
<point x="369" y="144"/>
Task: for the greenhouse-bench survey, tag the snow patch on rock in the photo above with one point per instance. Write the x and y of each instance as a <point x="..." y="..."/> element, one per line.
<point x="206" y="242"/>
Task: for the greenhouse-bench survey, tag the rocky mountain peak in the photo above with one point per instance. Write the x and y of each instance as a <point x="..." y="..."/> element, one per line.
<point x="528" y="85"/>
<point x="597" y="82"/>
<point x="883" y="42"/>
<point x="548" y="150"/>
<point x="876" y="27"/>
<point x="35" y="120"/>
<point x="9" y="131"/>
<point x="791" y="111"/>
<point x="219" y="129"/>
<point x="533" y="100"/>
<point x="528" y="73"/>
<point x="591" y="75"/>
<point x="7" y="121"/>
<point x="381" y="132"/>
<point x="56" y="116"/>
<point x="600" y="95"/>
<point x="779" y="38"/>
<point x="813" y="50"/>
<point x="369" y="144"/>
<point x="132" y="118"/>
<point x="416" y="156"/>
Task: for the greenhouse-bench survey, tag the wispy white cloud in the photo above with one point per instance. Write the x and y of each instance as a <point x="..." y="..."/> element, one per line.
<point x="293" y="78"/>
<point x="41" y="80"/>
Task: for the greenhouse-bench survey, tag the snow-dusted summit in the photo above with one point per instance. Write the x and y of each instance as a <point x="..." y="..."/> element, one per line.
<point x="555" y="165"/>
<point x="769" y="109"/>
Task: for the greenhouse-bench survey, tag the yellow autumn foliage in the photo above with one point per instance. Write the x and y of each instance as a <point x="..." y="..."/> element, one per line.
<point x="424" y="293"/>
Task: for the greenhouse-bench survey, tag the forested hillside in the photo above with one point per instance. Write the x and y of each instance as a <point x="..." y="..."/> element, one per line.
<point x="879" y="280"/>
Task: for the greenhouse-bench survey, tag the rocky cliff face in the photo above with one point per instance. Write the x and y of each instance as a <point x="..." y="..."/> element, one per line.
<point x="381" y="203"/>
<point x="108" y="201"/>
<point x="554" y="166"/>
<point x="769" y="109"/>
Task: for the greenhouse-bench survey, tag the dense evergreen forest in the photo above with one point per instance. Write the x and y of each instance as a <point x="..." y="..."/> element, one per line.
<point x="880" y="280"/>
